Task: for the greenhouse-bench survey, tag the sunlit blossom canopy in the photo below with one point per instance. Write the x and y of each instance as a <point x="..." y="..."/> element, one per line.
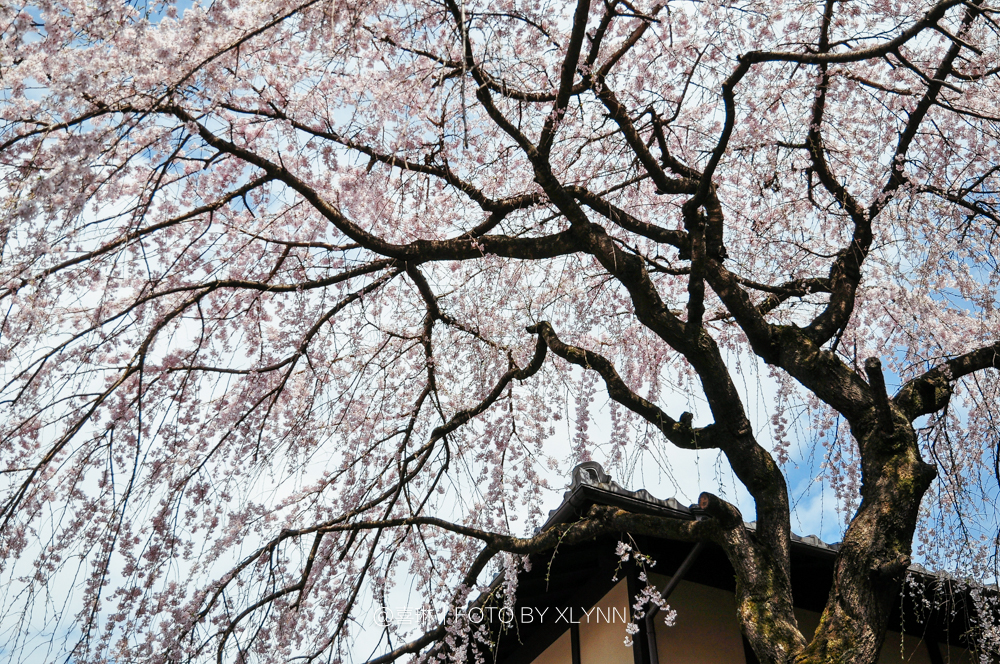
<point x="304" y="306"/>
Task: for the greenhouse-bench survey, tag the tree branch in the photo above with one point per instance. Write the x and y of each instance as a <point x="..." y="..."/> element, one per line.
<point x="679" y="434"/>
<point x="931" y="391"/>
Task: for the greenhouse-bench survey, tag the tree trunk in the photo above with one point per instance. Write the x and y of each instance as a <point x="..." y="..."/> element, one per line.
<point x="875" y="553"/>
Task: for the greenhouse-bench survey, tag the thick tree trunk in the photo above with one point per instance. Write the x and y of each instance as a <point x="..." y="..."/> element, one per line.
<point x="765" y="609"/>
<point x="875" y="553"/>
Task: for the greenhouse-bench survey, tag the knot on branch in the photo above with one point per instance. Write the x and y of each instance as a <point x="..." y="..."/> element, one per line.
<point x="726" y="514"/>
<point x="893" y="567"/>
<point x="603" y="513"/>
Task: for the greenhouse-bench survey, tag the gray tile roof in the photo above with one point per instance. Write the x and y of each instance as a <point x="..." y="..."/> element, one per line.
<point x="592" y="474"/>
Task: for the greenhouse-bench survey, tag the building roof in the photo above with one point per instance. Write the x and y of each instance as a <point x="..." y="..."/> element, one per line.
<point x="592" y="485"/>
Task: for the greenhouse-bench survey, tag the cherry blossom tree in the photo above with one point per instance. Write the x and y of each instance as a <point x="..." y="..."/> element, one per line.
<point x="283" y="284"/>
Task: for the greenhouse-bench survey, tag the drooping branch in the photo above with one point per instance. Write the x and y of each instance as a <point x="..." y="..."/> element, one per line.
<point x="676" y="432"/>
<point x="925" y="22"/>
<point x="442" y="172"/>
<point x="460" y="248"/>
<point x="620" y="217"/>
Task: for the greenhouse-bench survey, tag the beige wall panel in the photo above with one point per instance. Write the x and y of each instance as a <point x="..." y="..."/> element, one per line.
<point x="602" y="630"/>
<point x="560" y="652"/>
<point x="706" y="631"/>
